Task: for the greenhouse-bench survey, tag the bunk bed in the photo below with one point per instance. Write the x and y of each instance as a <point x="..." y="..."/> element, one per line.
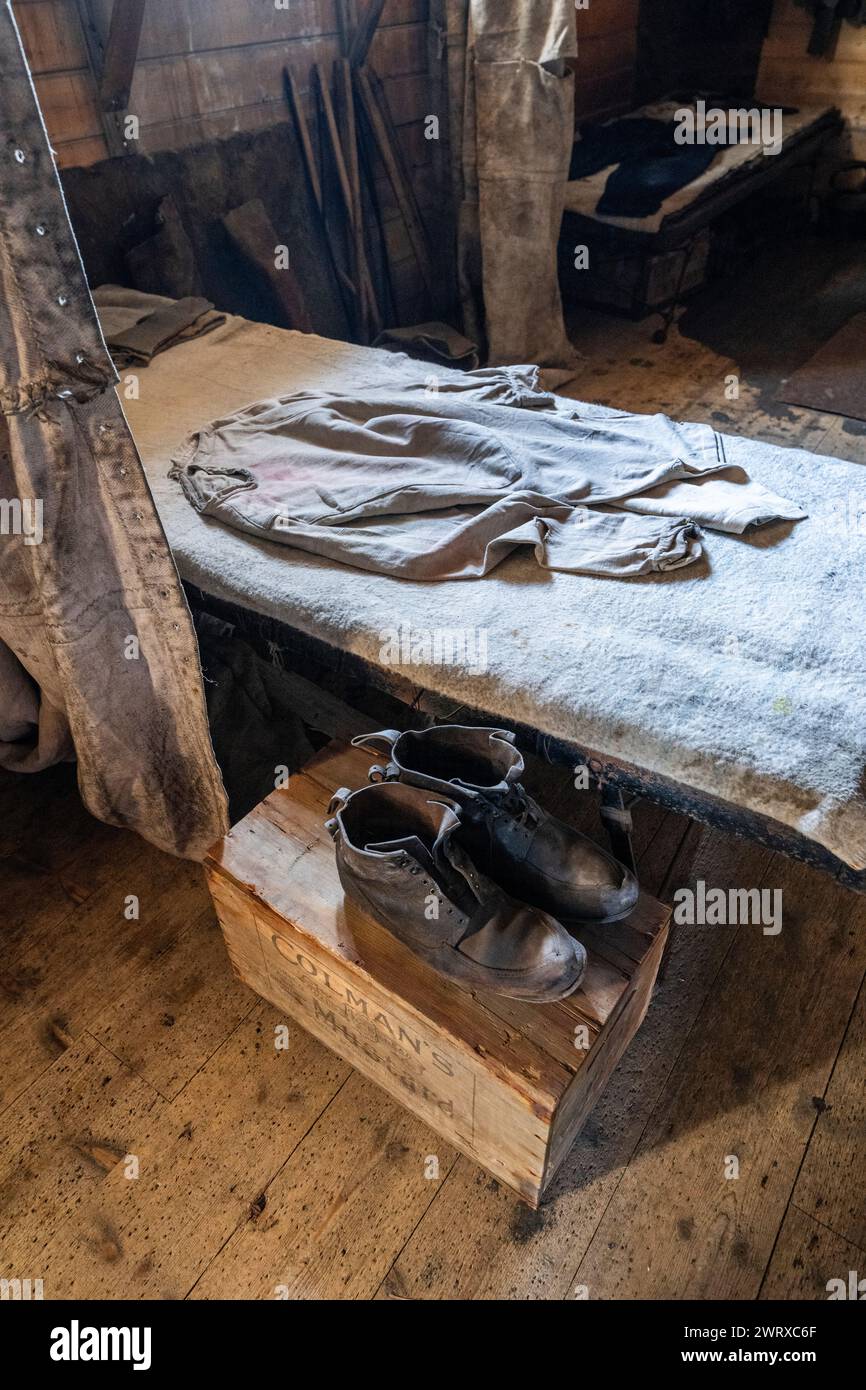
<point x="647" y="264"/>
<point x="733" y="693"/>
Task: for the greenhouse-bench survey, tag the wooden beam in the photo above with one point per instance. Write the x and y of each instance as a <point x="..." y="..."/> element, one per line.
<point x="344" y="28"/>
<point x="293" y="99"/>
<point x="93" y="42"/>
<point x="365" y="32"/>
<point x="121" y="51"/>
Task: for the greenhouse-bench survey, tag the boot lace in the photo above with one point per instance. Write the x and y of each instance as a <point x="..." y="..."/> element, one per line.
<point x="518" y="804"/>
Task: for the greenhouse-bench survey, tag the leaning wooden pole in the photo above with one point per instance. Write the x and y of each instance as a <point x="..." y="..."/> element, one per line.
<point x="364" y="287"/>
<point x="293" y="98"/>
<point x="378" y="119"/>
<point x="346" y="92"/>
<point x="365" y="32"/>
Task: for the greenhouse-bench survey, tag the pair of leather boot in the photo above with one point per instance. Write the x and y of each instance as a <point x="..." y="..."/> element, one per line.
<point x="447" y="849"/>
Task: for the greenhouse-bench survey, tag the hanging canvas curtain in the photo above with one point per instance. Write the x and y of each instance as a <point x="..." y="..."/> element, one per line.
<point x="98" y="659"/>
<point x="512" y="128"/>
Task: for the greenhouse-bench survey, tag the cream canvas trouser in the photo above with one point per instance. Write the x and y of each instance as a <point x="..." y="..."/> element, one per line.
<point x="440" y="484"/>
<point x="512" y="129"/>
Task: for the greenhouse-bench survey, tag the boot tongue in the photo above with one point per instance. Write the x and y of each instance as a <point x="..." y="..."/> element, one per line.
<point x="484" y="789"/>
<point x="439" y="864"/>
<point x="413" y="845"/>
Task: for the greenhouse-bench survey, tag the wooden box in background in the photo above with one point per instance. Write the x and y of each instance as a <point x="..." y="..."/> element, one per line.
<point x="510" y="1084"/>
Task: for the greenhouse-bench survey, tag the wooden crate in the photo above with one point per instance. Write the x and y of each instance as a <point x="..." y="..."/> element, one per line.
<point x="508" y="1083"/>
<point x="635" y="280"/>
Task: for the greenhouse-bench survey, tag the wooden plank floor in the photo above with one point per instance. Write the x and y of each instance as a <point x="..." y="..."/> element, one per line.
<point x="156" y="1143"/>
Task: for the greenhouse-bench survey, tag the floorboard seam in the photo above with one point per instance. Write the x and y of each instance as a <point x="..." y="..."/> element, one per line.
<point x="840" y="1235"/>
<point x="411" y="1234"/>
<point x="790" y="1202"/>
<point x="666" y="1080"/>
<point x="245" y="1220"/>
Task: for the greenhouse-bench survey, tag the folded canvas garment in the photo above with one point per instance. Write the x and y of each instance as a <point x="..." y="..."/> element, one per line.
<point x="136" y="326"/>
<point x="442" y="484"/>
<point x="431" y="342"/>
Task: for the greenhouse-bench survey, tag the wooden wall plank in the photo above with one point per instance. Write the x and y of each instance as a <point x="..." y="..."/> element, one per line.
<point x="789" y="73"/>
<point x="206" y="71"/>
<point x="606" y="57"/>
<point x="789" y="41"/>
<point x="603" y="96"/>
<point x="606" y="17"/>
<point x="608" y="53"/>
<point x="195" y="86"/>
<point x="178" y="88"/>
<point x="77" y="154"/>
<point x="69" y="100"/>
<point x="51" y="35"/>
<point x="175" y="27"/>
<point x="834" y="83"/>
<point x="202" y="66"/>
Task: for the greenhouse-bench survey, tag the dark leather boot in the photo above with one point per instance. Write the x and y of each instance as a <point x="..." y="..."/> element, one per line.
<point x="398" y="857"/>
<point x="532" y="855"/>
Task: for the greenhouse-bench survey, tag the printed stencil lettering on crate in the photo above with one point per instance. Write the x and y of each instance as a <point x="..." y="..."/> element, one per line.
<point x="343" y="1014"/>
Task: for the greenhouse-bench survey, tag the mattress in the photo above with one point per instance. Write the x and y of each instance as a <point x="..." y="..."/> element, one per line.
<point x="731" y="162"/>
<point x="742" y="677"/>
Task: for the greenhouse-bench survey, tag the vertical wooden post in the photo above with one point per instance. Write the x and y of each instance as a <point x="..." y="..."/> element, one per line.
<point x="112" y="126"/>
<point x="121" y="51"/>
<point x="111" y="60"/>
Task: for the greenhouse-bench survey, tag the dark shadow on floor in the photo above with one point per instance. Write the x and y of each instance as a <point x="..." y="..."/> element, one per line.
<point x="779" y="308"/>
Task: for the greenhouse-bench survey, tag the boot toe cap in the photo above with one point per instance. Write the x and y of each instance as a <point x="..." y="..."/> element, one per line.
<point x="584" y="883"/>
<point x="528" y="953"/>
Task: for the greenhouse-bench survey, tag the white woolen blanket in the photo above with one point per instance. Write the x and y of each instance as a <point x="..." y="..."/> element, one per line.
<point x="743" y="677"/>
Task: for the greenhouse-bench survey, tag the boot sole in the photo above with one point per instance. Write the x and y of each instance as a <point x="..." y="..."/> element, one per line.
<point x="575" y="923"/>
